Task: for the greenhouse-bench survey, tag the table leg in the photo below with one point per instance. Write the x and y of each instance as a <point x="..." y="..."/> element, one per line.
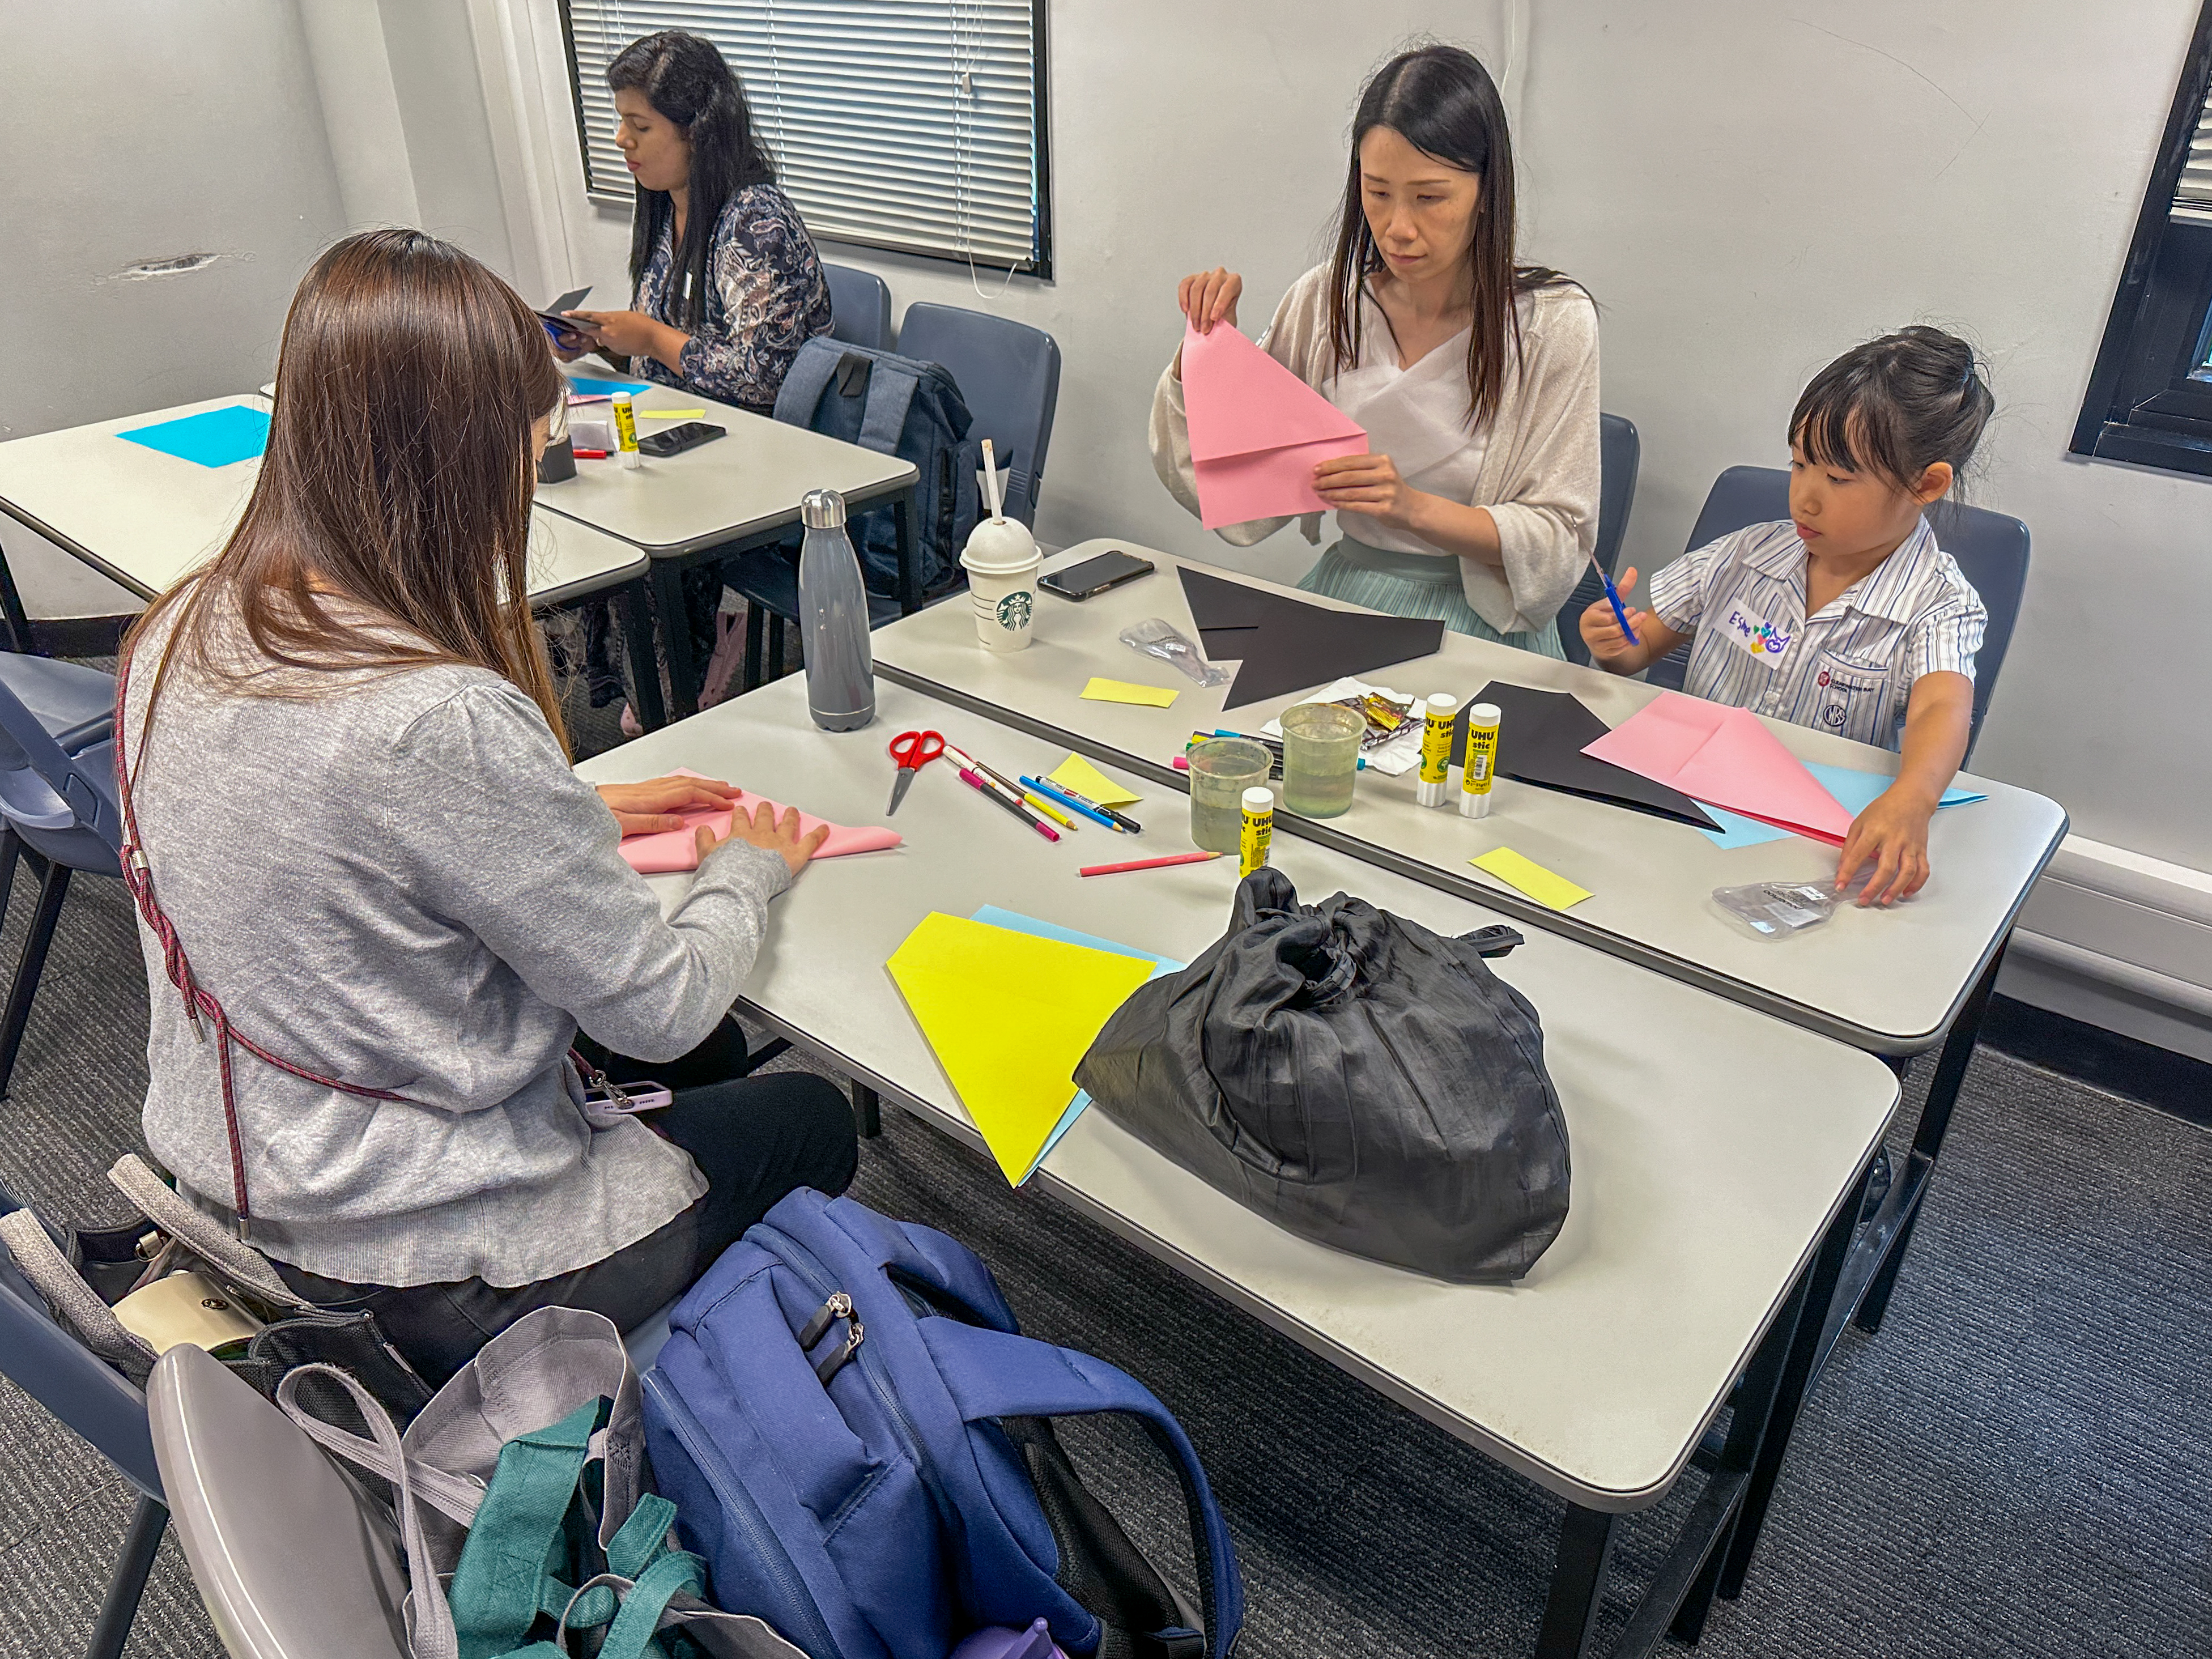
<point x="1577" y="1584"/>
<point x="675" y="637"/>
<point x="867" y="1111"/>
<point x="1927" y="1138"/>
<point x="909" y="577"/>
<point x="1798" y="1370"/>
<point x="635" y="602"/>
<point x="11" y="604"/>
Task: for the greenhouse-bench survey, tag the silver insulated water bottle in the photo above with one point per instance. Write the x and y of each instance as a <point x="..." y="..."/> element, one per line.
<point x="833" y="619"/>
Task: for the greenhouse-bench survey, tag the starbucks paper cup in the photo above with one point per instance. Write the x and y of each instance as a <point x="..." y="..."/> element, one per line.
<point x="1002" y="563"/>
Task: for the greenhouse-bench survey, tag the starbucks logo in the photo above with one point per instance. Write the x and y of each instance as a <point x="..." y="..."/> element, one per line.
<point x="1014" y="610"/>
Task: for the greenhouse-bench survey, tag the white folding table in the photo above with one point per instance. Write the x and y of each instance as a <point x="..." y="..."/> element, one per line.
<point x="1706" y="1214"/>
<point x="737" y="492"/>
<point x="1892" y="982"/>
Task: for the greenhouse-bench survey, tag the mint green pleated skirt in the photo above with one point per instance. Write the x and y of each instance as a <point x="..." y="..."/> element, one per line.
<point x="1414" y="584"/>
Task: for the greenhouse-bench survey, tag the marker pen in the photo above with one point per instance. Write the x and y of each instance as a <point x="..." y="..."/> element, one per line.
<point x="1480" y="770"/>
<point x="1437" y="716"/>
<point x="626" y="430"/>
<point x="1256" y="831"/>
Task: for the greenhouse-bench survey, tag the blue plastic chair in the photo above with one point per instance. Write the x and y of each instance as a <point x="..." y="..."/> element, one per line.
<point x="91" y="1397"/>
<point x="58" y="811"/>
<point x="1620" y="453"/>
<point x="861" y="307"/>
<point x="1009" y="374"/>
<point x="1991" y="550"/>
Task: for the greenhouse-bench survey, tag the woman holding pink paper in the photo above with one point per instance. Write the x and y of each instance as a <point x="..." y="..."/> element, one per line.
<point x="380" y="909"/>
<point x="1458" y="443"/>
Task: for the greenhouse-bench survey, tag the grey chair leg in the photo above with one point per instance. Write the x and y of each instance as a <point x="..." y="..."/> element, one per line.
<point x="53" y="889"/>
<point x="140" y="1545"/>
<point x="756" y="628"/>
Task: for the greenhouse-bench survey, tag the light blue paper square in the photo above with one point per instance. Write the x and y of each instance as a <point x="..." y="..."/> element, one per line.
<point x="214" y="437"/>
<point x="1854" y="790"/>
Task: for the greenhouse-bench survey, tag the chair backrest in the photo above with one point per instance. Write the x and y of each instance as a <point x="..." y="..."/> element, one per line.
<point x="1620" y="450"/>
<point x="860" y="306"/>
<point x="46" y="1361"/>
<point x="74" y="703"/>
<point x="291" y="1560"/>
<point x="1008" y="375"/>
<point x="62" y="806"/>
<point x="1991" y="550"/>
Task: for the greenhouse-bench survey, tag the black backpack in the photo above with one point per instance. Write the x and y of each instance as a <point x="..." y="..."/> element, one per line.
<point x="898" y="406"/>
<point x="1353" y="1077"/>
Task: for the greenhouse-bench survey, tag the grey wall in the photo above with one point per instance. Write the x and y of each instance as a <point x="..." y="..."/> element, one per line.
<point x="143" y="129"/>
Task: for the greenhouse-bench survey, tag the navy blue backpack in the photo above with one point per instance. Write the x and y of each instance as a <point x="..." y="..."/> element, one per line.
<point x="860" y="1443"/>
<point x="898" y="406"/>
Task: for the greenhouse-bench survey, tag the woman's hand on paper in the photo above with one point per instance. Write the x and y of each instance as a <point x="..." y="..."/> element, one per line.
<point x="569" y="344"/>
<point x="761" y="828"/>
<point x="1367" y="485"/>
<point x="631" y="333"/>
<point x="1205" y="298"/>
<point x="659" y="803"/>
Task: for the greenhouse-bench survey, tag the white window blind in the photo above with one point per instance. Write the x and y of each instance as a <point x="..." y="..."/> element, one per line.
<point x="2192" y="196"/>
<point x="910" y="124"/>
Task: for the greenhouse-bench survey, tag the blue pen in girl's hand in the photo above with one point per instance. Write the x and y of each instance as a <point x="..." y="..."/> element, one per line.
<point x="1613" y="594"/>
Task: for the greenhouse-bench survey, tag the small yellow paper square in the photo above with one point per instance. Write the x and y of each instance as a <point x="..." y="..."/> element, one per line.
<point x="1547" y="889"/>
<point x="672" y="414"/>
<point x="1079" y="774"/>
<point x="1151" y="696"/>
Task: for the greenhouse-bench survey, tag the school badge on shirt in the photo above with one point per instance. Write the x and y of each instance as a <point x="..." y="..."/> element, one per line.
<point x="1751" y="633"/>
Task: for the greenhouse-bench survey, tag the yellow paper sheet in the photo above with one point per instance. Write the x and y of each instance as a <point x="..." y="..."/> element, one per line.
<point x="672" y="414"/>
<point x="1151" y="696"/>
<point x="1540" y="884"/>
<point x="1087" y="780"/>
<point x="1008" y="1015"/>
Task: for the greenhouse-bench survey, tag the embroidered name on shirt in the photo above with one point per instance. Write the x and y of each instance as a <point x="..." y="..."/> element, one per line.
<point x="1750" y="632"/>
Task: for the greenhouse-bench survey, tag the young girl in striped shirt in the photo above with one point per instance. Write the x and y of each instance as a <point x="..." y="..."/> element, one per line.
<point x="1848" y="618"/>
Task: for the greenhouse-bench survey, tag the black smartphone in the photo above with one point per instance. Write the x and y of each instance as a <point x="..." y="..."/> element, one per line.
<point x="1094" y="576"/>
<point x="676" y="438"/>
<point x="552" y="317"/>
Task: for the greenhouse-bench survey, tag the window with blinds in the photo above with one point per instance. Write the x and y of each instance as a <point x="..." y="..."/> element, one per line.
<point x="2192" y="196"/>
<point x="914" y="126"/>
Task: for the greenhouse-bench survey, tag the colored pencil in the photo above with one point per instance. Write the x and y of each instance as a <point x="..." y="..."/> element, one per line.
<point x="1148" y="864"/>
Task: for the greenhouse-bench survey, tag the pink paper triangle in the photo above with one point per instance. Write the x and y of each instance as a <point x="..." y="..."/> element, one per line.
<point x="664" y="850"/>
<point x="1726" y="758"/>
<point x="1240" y="401"/>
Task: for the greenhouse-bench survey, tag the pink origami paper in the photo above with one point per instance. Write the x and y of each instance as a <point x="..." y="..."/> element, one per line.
<point x="664" y="850"/>
<point x="1256" y="430"/>
<point x="1727" y="757"/>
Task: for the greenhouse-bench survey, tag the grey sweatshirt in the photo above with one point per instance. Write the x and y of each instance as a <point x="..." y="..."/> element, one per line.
<point x="399" y="883"/>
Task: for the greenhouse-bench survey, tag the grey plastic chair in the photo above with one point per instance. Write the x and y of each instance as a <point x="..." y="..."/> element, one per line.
<point x="861" y="307"/>
<point x="291" y="1560"/>
<point x="1620" y="453"/>
<point x="47" y="1362"/>
<point x="1008" y="375"/>
<point x="1991" y="550"/>
<point x="58" y="811"/>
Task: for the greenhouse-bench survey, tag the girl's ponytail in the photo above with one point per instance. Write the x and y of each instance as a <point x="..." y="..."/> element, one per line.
<point x="1897" y="406"/>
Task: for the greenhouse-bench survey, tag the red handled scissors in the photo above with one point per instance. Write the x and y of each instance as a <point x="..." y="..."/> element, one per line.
<point x="912" y="750"/>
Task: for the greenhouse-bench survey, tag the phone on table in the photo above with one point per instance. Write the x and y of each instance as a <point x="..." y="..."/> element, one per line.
<point x="1095" y="576"/>
<point x="551" y="316"/>
<point x="678" y="439"/>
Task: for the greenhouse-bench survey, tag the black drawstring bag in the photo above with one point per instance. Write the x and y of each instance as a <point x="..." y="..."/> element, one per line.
<point x="1354" y="1077"/>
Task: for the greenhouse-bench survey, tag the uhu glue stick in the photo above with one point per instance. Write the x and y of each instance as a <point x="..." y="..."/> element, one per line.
<point x="1255" y="831"/>
<point x="1481" y="768"/>
<point x="1436" y="748"/>
<point x="626" y="430"/>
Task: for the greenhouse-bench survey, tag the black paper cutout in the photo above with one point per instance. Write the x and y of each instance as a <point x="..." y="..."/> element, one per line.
<point x="1285" y="645"/>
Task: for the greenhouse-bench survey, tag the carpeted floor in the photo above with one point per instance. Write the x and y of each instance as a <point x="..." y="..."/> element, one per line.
<point x="2016" y="1465"/>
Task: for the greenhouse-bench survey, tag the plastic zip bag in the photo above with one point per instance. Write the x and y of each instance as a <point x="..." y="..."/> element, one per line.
<point x="1156" y="637"/>
<point x="1777" y="908"/>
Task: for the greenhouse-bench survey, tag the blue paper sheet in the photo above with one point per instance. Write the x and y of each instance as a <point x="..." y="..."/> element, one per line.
<point x="1854" y="789"/>
<point x="992" y="916"/>
<point x="592" y="388"/>
<point x="215" y="437"/>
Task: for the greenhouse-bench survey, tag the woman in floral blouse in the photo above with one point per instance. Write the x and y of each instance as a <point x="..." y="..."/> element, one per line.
<point x="726" y="284"/>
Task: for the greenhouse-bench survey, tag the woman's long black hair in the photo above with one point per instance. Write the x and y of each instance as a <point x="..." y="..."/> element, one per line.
<point x="1442" y="102"/>
<point x="684" y="78"/>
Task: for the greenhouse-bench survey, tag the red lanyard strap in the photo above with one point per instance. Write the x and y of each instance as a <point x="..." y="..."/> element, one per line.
<point x="201" y="1006"/>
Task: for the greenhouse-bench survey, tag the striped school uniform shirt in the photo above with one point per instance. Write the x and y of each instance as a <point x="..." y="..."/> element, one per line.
<point x="1848" y="669"/>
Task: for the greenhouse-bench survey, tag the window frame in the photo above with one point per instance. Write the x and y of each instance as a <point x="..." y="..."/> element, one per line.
<point x="2144" y="403"/>
<point x="1039" y="265"/>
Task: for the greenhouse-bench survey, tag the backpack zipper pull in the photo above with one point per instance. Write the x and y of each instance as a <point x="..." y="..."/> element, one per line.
<point x="835" y="1363"/>
<point x="839" y="1306"/>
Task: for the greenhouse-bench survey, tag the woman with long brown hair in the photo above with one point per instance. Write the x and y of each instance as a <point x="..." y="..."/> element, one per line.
<point x="376" y="904"/>
<point x="1475" y="376"/>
